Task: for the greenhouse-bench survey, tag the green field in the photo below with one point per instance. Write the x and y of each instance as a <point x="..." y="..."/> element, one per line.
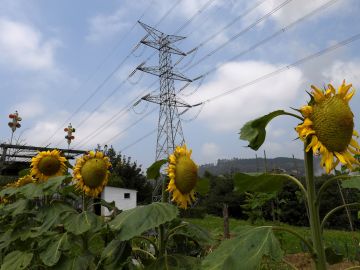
<point x="344" y="242"/>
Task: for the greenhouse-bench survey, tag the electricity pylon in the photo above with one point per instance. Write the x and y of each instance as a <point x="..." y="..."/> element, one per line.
<point x="169" y="133"/>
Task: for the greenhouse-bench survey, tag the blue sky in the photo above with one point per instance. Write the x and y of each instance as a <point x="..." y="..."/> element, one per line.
<point x="55" y="54"/>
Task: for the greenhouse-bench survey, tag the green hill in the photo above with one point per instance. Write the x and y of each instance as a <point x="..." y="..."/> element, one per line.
<point x="292" y="166"/>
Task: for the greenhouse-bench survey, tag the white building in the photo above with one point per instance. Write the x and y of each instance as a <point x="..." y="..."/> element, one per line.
<point x="124" y="198"/>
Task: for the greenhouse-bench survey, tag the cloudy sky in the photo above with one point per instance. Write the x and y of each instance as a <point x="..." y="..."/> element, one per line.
<point x="69" y="61"/>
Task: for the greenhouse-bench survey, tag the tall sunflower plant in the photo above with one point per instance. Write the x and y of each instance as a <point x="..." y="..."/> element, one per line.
<point x="326" y="129"/>
<point x="179" y="244"/>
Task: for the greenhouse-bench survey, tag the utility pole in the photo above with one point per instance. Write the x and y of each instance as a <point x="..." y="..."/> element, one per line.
<point x="169" y="133"/>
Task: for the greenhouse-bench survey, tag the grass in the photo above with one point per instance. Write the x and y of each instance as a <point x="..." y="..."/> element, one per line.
<point x="344" y="242"/>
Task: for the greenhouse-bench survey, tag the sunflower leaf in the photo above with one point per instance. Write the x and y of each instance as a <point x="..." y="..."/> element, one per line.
<point x="264" y="182"/>
<point x="80" y="223"/>
<point x="74" y="263"/>
<point x="17" y="260"/>
<point x="24" y="172"/>
<point x="175" y="262"/>
<point x="352" y="182"/>
<point x="254" y="131"/>
<point x="245" y="251"/>
<point x="153" y="172"/>
<point x="96" y="244"/>
<point x="51" y="255"/>
<point x="142" y="218"/>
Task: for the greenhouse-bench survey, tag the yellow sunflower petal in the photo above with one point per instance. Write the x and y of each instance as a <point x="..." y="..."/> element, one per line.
<point x="306" y="110"/>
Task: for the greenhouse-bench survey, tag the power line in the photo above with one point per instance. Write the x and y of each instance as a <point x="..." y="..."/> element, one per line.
<point x="138" y="140"/>
<point x="206" y="5"/>
<point x="271" y="74"/>
<point x="200" y="10"/>
<point x="130" y="126"/>
<point x="227" y="26"/>
<point x="287" y="67"/>
<point x="220" y="31"/>
<point x="267" y="39"/>
<point x="260" y="43"/>
<point x="115" y="70"/>
<point x="123" y="111"/>
<point x="267" y="15"/>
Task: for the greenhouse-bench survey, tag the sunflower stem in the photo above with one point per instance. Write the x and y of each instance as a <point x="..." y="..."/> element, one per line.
<point x="162" y="236"/>
<point x="294" y="115"/>
<point x="328" y="182"/>
<point x="332" y="211"/>
<point x="314" y="218"/>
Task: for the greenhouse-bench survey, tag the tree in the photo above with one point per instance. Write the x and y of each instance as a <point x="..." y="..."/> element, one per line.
<point x="127" y="174"/>
<point x="220" y="193"/>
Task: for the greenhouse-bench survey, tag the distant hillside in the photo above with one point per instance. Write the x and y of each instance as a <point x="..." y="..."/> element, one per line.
<point x="227" y="166"/>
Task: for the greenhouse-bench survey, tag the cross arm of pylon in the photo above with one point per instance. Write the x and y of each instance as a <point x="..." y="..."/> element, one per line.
<point x="157" y="35"/>
<point x="176" y="75"/>
<point x="156" y="45"/>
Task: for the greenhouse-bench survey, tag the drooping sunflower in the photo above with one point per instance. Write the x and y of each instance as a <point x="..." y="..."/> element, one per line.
<point x="27" y="179"/>
<point x="182" y="172"/>
<point x="47" y="164"/>
<point x="329" y="126"/>
<point x="91" y="173"/>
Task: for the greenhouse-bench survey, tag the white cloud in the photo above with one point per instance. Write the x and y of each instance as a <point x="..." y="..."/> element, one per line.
<point x="103" y="26"/>
<point x="190" y="7"/>
<point x="44" y="128"/>
<point x="210" y="152"/>
<point x="232" y="111"/>
<point x="340" y="70"/>
<point x="24" y="46"/>
<point x="295" y="9"/>
<point x="29" y="109"/>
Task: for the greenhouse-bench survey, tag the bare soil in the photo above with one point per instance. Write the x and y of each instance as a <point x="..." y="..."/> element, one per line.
<point x="302" y="261"/>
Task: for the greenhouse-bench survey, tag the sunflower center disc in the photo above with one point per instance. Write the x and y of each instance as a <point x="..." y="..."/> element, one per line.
<point x="49" y="165"/>
<point x="94" y="172"/>
<point x="333" y="123"/>
<point x="185" y="174"/>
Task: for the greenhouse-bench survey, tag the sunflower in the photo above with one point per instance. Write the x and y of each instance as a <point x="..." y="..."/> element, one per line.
<point x="329" y="126"/>
<point x="27" y="179"/>
<point x="182" y="172"/>
<point x="47" y="164"/>
<point x="91" y="173"/>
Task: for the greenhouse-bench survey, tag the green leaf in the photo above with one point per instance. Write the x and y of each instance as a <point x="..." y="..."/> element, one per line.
<point x="111" y="248"/>
<point x="353" y="182"/>
<point x="74" y="263"/>
<point x="83" y="222"/>
<point x="140" y="219"/>
<point x="16" y="207"/>
<point x="24" y="172"/>
<point x="245" y="251"/>
<point x="175" y="262"/>
<point x="332" y="256"/>
<point x="51" y="255"/>
<point x="265" y="182"/>
<point x="153" y="172"/>
<point x="115" y="254"/>
<point x="195" y="233"/>
<point x="54" y="214"/>
<point x="202" y="186"/>
<point x="31" y="191"/>
<point x="16" y="260"/>
<point x="254" y="131"/>
<point x="96" y="244"/>
<point x="34" y="190"/>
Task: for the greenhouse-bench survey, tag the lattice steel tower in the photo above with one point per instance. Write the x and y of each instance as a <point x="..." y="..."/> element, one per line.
<point x="169" y="133"/>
